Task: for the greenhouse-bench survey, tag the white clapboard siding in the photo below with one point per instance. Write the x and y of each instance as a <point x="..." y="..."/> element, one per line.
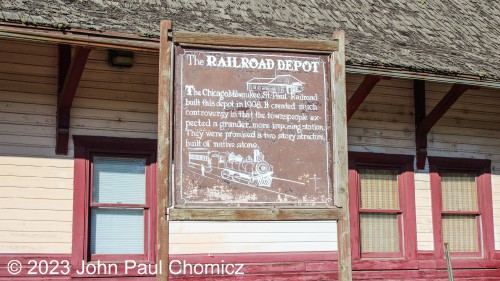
<point x="384" y="122"/>
<point x="36" y="201"/>
<point x="37" y="185"/>
<point x="423" y="211"/>
<point x="471" y="129"/>
<point x="236" y="237"/>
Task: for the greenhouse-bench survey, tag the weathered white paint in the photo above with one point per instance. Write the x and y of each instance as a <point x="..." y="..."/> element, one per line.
<point x="36" y="201"/>
<point x="423" y="211"/>
<point x="384" y="124"/>
<point x="237" y="237"/>
<point x="470" y="129"/>
<point x="37" y="186"/>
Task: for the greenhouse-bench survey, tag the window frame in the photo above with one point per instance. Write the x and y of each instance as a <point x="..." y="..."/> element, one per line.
<point x="86" y="148"/>
<point x="482" y="169"/>
<point x="406" y="213"/>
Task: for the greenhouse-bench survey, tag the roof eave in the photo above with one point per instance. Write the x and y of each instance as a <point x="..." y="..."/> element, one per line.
<point x="149" y="44"/>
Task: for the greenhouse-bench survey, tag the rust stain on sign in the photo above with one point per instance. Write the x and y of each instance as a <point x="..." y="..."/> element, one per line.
<point x="251" y="129"/>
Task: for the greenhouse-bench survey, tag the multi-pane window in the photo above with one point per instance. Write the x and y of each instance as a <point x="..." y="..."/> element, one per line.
<point x="379" y="212"/>
<point x="382" y="206"/>
<point x="462" y="207"/>
<point x="460" y="212"/>
<point x="114" y="199"/>
<point x="119" y="208"/>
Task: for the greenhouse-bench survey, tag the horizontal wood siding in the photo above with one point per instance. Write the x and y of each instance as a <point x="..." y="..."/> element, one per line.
<point x="36" y="201"/>
<point x="384" y="124"/>
<point x="109" y="102"/>
<point x="36" y="198"/>
<point x="423" y="211"/>
<point x="470" y="129"/>
<point x="251" y="237"/>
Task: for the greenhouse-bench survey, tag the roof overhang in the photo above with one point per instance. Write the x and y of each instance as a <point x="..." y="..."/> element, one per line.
<point x="144" y="44"/>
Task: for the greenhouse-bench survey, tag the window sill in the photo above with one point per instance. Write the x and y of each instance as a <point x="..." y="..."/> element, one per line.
<point x="384" y="264"/>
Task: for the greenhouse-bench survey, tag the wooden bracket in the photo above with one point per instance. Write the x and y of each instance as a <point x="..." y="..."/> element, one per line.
<point x="423" y="123"/>
<point x="70" y="72"/>
<point x="362" y="92"/>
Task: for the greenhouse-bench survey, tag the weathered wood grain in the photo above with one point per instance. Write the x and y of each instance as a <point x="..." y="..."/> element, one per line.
<point x="257" y="214"/>
<point x="340" y="169"/>
<point x="163" y="161"/>
<point x="256" y="42"/>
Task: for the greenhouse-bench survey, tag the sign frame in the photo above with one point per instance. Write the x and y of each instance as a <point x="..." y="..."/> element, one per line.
<point x="337" y="135"/>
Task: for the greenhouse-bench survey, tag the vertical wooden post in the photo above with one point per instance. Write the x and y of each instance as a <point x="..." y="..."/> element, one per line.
<point x="419" y="105"/>
<point x="163" y="161"/>
<point x="340" y="164"/>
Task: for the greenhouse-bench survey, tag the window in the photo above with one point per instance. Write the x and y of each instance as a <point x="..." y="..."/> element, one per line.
<point x="114" y="199"/>
<point x="382" y="206"/>
<point x="461" y="202"/>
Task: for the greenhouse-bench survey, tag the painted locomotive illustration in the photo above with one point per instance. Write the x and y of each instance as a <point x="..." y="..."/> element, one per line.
<point x="251" y="170"/>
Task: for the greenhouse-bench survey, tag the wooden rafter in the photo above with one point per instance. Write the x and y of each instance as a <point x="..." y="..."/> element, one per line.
<point x="364" y="89"/>
<point x="70" y="72"/>
<point x="423" y="123"/>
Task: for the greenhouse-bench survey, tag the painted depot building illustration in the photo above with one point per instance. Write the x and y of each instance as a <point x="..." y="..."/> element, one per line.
<point x="84" y="173"/>
<point x="280" y="84"/>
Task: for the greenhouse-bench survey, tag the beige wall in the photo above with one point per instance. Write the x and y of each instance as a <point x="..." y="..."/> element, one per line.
<point x="36" y="198"/>
<point x="470" y="129"/>
<point x="37" y="186"/>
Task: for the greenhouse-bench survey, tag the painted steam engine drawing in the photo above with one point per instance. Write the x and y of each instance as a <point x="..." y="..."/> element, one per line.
<point x="251" y="170"/>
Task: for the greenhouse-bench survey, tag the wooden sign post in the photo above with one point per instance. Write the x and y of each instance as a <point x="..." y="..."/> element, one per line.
<point x="259" y="132"/>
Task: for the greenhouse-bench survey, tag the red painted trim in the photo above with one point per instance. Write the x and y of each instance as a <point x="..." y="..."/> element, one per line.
<point x="485" y="205"/>
<point x="67" y="92"/>
<point x="496" y="255"/>
<point x="425" y="255"/>
<point x="85" y="148"/>
<point x="408" y="240"/>
<point x="289" y="266"/>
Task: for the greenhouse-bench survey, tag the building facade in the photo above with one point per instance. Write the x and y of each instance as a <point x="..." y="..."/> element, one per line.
<point x="424" y="160"/>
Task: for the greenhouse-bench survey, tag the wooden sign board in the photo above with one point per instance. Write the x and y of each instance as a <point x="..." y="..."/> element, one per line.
<point x="259" y="132"/>
<point x="252" y="129"/>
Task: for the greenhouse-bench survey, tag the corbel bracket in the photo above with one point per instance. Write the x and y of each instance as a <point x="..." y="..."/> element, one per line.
<point x="70" y="72"/>
<point x="364" y="89"/>
<point x="423" y="123"/>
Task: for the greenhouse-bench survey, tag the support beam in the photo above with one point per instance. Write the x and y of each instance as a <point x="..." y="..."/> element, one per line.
<point x="361" y="93"/>
<point x="70" y="74"/>
<point x="419" y="105"/>
<point x="424" y="124"/>
<point x="165" y="104"/>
